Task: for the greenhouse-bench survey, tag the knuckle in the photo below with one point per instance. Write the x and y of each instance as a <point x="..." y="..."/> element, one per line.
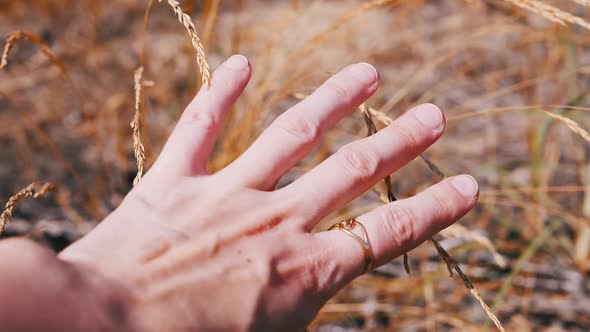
<point x="407" y="135"/>
<point x="359" y="162"/>
<point x="319" y="272"/>
<point x="310" y="276"/>
<point x="339" y="89"/>
<point x="299" y="127"/>
<point x="398" y="224"/>
<point x="203" y="120"/>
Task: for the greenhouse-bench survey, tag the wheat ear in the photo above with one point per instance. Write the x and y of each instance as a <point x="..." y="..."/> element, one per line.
<point x="33" y="190"/>
<point x="10" y="41"/>
<point x="138" y="148"/>
<point x="196" y="41"/>
<point x="14" y="36"/>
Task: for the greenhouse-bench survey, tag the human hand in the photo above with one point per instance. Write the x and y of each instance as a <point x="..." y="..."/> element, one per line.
<point x="228" y="252"/>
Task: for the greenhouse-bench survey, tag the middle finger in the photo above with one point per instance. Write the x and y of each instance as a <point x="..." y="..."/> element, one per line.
<point x="358" y="166"/>
<point x="296" y="132"/>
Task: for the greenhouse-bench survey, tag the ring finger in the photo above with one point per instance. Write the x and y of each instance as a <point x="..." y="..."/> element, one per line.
<point x="394" y="229"/>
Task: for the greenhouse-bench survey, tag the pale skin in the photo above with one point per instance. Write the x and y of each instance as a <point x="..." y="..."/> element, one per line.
<point x="193" y="251"/>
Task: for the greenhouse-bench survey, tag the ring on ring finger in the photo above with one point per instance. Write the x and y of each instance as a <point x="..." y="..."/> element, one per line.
<point x="347" y="226"/>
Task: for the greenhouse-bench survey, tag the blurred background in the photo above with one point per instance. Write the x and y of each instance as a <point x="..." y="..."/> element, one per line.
<point x="514" y="86"/>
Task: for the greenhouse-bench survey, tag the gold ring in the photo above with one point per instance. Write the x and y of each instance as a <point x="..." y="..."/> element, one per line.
<point x="347" y="226"/>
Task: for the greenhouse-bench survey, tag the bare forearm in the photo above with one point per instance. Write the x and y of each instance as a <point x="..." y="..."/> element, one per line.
<point x="40" y="292"/>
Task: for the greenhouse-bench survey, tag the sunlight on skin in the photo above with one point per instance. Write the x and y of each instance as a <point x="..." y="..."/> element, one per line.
<point x="188" y="250"/>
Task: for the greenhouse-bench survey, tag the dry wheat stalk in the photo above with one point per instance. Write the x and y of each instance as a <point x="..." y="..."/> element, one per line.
<point x="452" y="264"/>
<point x="138" y="148"/>
<point x="571" y="124"/>
<point x="33" y="190"/>
<point x="196" y="41"/>
<point x="371" y="130"/>
<point x="456" y="230"/>
<point x="143" y="37"/>
<point x="551" y="13"/>
<point x="10" y="41"/>
<point x="14" y="36"/>
<point x="92" y="204"/>
<point x="450" y="261"/>
<point x="386" y="120"/>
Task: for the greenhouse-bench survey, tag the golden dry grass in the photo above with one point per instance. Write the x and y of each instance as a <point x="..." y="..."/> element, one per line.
<point x="33" y="190"/>
<point x="15" y="36"/>
<point x="451" y="263"/>
<point x="138" y="148"/>
<point x="187" y="22"/>
<point x="495" y="72"/>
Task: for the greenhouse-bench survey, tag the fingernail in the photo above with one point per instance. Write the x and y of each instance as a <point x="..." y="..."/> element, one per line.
<point x="237" y="61"/>
<point x="466" y="185"/>
<point x="367" y="73"/>
<point x="430" y="116"/>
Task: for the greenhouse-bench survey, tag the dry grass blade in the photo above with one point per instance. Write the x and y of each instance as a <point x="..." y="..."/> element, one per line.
<point x="457" y="230"/>
<point x="372" y="129"/>
<point x="450" y="261"/>
<point x="551" y="13"/>
<point x="146" y="17"/>
<point x="386" y="120"/>
<point x="14" y="36"/>
<point x="10" y="41"/>
<point x="380" y="116"/>
<point x="432" y="166"/>
<point x="571" y="124"/>
<point x="452" y="264"/>
<point x="196" y="41"/>
<point x="138" y="148"/>
<point x="92" y="203"/>
<point x="33" y="190"/>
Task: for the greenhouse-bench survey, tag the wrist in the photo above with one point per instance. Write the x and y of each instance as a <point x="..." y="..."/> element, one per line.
<point x="103" y="304"/>
<point x="60" y="295"/>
